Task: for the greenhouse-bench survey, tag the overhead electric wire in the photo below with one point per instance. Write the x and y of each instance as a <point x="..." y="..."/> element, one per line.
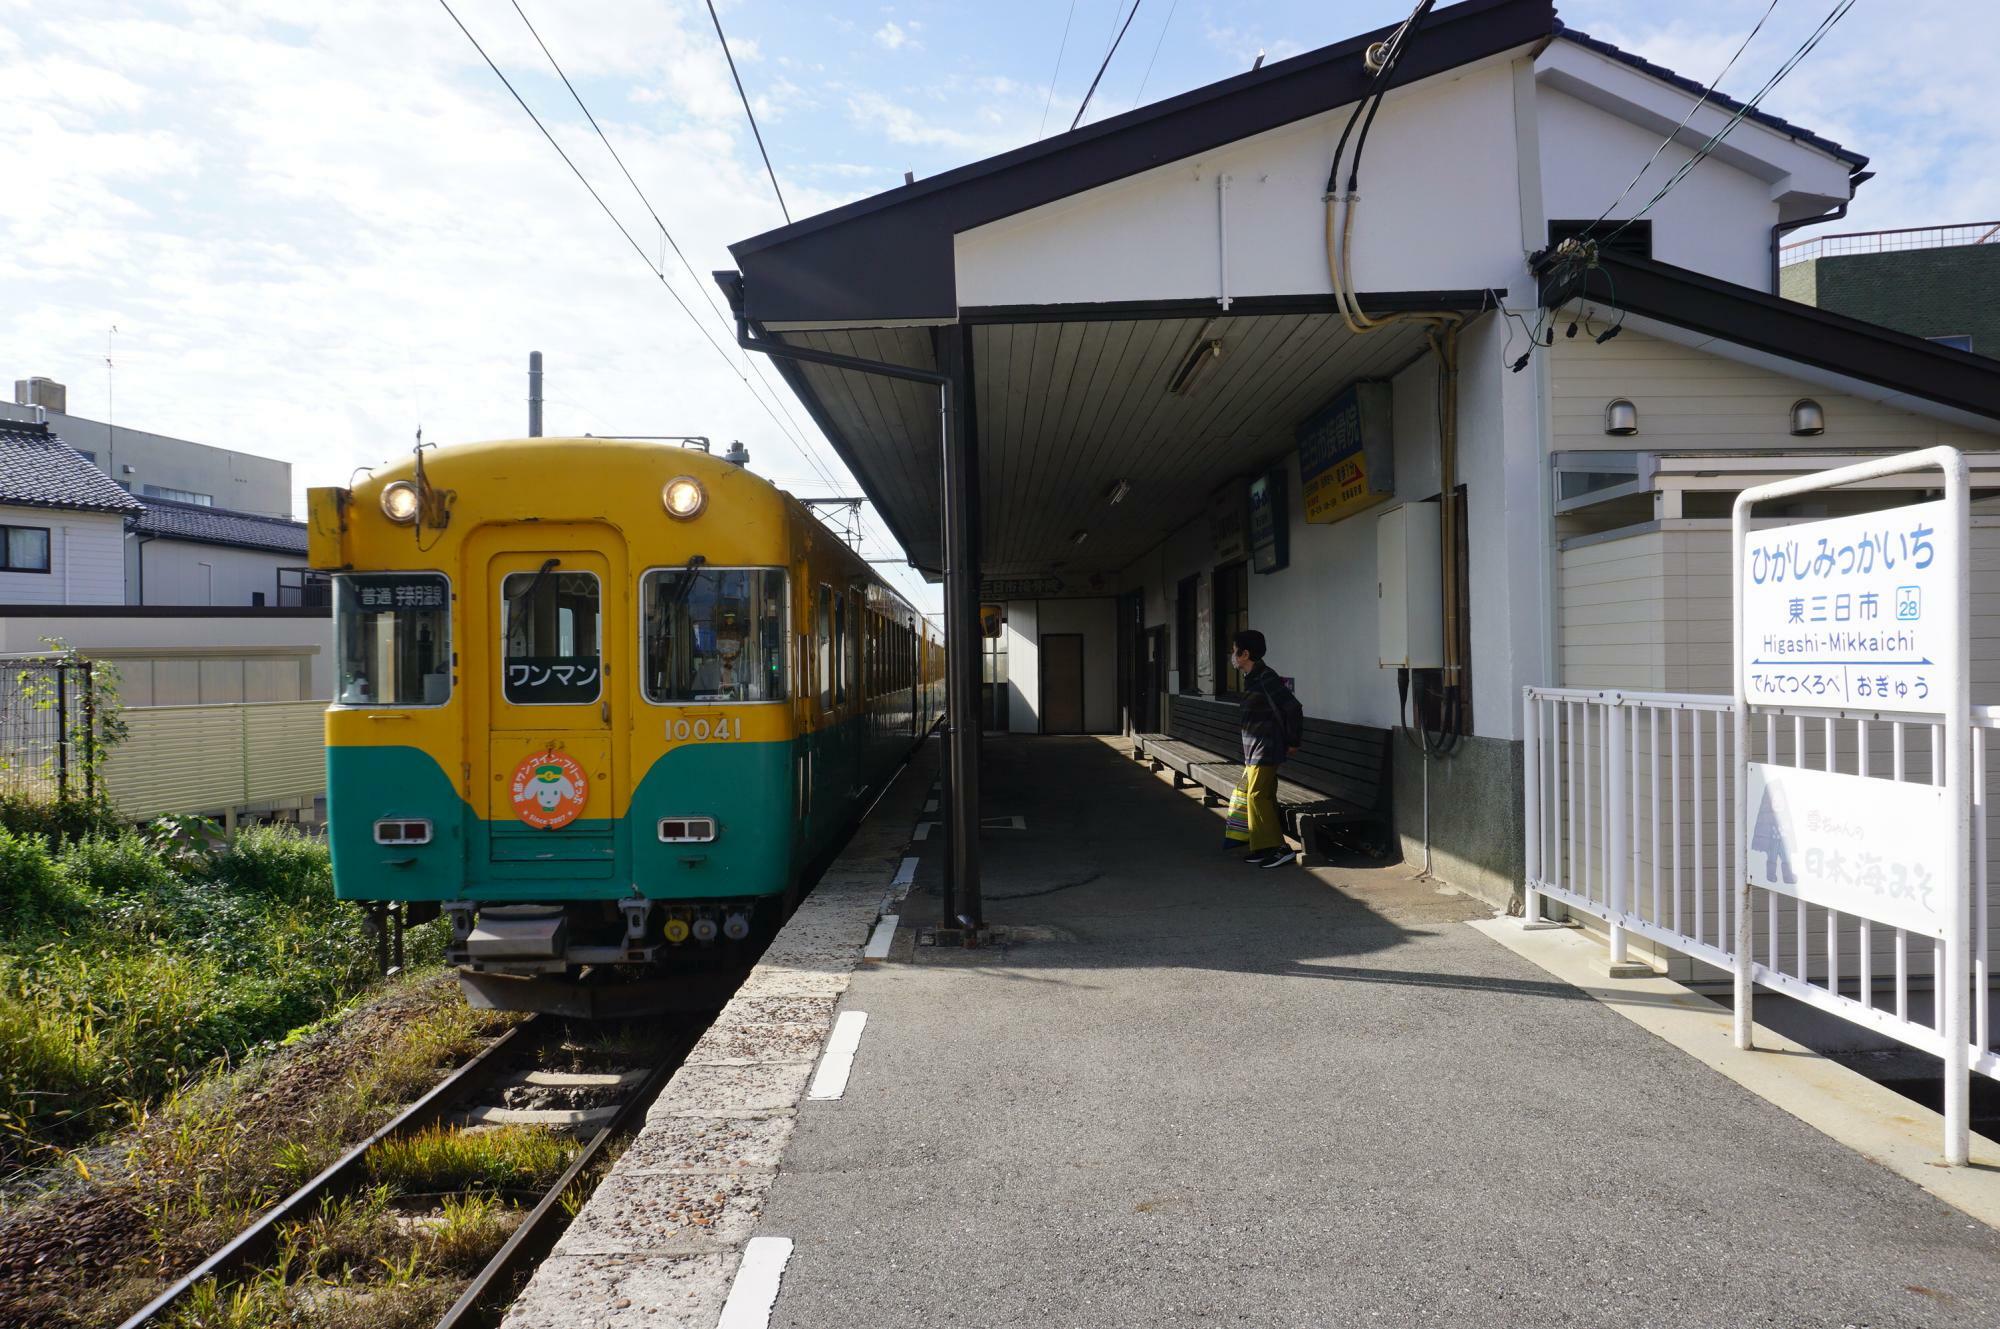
<point x="585" y="182"/>
<point x="1700" y="102"/>
<point x="1106" y="65"/>
<point x="1055" y="73"/>
<point x="1806" y="48"/>
<point x="748" y="112"/>
<point x="791" y="431"/>
<point x="1148" y="75"/>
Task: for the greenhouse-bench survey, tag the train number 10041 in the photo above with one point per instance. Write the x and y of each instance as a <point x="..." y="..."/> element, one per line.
<point x="704" y="730"/>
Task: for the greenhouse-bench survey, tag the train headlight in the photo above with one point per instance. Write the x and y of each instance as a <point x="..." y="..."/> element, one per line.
<point x="684" y="497"/>
<point x="399" y="502"/>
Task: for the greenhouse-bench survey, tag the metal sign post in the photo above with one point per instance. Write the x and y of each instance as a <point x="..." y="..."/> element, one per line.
<point x="1862" y="614"/>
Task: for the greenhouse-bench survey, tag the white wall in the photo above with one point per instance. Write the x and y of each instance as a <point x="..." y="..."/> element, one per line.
<point x="86" y="559"/>
<point x="1096" y="620"/>
<point x="181" y="572"/>
<point x="1439" y="212"/>
<point x="1717" y="220"/>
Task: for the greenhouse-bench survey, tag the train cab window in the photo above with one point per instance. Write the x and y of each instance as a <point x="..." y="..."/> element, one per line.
<point x="713" y="634"/>
<point x="553" y="637"/>
<point x="393" y="632"/>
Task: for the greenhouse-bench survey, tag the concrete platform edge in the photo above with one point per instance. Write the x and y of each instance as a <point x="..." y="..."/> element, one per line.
<point x="1876" y="1122"/>
<point x="661" y="1240"/>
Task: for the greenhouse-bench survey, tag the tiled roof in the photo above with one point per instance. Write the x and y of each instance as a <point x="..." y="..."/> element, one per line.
<point x="1717" y="99"/>
<point x="39" y="470"/>
<point x="167" y="519"/>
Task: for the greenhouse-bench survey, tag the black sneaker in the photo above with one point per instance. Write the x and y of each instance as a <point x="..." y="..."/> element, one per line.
<point x="1259" y="859"/>
<point x="1277" y="858"/>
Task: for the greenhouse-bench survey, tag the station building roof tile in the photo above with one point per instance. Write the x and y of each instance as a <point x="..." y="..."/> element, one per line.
<point x="39" y="470"/>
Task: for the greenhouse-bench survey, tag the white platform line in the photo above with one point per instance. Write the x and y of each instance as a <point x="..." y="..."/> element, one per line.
<point x="923" y="831"/>
<point x="905" y="874"/>
<point x="878" y="944"/>
<point x="830" y="1081"/>
<point x="931" y="806"/>
<point x="755" y="1290"/>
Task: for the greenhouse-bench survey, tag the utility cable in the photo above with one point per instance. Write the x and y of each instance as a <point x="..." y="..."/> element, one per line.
<point x="1700" y="102"/>
<point x="581" y="179"/>
<point x="792" y="433"/>
<point x="1147" y="77"/>
<point x="1061" y="47"/>
<point x="748" y="112"/>
<point x="1106" y="65"/>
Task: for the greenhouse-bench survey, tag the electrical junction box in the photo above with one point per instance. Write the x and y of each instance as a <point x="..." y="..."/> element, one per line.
<point x="1409" y="586"/>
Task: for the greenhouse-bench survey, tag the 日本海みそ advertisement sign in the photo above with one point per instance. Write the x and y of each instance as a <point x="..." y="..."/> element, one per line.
<point x="1851" y="611"/>
<point x="1878" y="849"/>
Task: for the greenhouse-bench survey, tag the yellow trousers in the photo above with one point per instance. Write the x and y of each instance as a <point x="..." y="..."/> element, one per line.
<point x="1267" y="830"/>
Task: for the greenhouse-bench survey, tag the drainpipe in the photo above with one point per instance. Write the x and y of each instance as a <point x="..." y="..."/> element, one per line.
<point x="1855" y="180"/>
<point x="963" y="906"/>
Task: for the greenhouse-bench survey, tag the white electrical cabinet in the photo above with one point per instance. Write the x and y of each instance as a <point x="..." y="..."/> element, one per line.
<point x="1409" y="587"/>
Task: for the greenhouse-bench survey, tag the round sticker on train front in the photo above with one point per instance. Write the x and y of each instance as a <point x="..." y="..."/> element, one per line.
<point x="549" y="790"/>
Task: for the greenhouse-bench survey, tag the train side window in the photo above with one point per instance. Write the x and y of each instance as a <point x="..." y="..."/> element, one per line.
<point x="713" y="634"/>
<point x="843" y="673"/>
<point x="825" y="643"/>
<point x="552" y="638"/>
<point x="393" y="634"/>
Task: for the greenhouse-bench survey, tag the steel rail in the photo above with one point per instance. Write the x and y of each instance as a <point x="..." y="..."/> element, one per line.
<point x="261" y="1236"/>
<point x="538" y="1233"/>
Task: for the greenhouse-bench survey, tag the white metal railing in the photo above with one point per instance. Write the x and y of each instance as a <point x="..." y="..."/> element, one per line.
<point x="1630" y="816"/>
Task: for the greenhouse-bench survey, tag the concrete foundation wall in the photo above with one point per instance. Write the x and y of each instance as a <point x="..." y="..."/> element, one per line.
<point x="1475" y="828"/>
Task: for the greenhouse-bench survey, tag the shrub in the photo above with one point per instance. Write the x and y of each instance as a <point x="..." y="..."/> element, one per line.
<point x="276" y="863"/>
<point x="119" y="869"/>
<point x="33" y="894"/>
<point x="58" y="820"/>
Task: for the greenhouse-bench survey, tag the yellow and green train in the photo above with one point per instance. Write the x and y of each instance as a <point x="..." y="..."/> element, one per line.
<point x="601" y="701"/>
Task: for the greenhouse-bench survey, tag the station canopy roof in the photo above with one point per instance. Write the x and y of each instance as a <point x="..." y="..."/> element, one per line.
<point x="1070" y="397"/>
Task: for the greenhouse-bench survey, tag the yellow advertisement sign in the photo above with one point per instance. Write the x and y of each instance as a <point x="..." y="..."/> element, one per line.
<point x="1346" y="454"/>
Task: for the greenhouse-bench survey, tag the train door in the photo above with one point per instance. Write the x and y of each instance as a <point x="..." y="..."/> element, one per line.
<point x="552" y="793"/>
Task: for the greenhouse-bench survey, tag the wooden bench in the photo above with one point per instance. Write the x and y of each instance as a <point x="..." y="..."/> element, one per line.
<point x="1338" y="777"/>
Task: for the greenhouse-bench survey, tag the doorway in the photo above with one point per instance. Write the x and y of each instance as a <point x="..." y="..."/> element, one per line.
<point x="1062" y="683"/>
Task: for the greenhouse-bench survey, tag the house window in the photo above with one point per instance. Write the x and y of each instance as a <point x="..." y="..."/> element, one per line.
<point x="1185" y="645"/>
<point x="178" y="495"/>
<point x="24" y="549"/>
<point x="1232" y="615"/>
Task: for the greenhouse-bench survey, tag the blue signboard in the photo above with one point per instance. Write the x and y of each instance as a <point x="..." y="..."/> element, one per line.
<point x="1347" y="459"/>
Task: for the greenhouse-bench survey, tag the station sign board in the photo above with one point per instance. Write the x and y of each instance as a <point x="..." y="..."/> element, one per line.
<point x="1849" y="612"/>
<point x="1877" y="849"/>
<point x="1347" y="456"/>
<point x="1270" y="542"/>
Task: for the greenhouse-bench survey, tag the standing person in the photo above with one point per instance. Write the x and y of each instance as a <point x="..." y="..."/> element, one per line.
<point x="1273" y="724"/>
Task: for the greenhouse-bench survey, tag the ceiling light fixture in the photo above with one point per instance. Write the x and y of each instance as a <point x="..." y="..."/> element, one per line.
<point x="1078" y="537"/>
<point x="1205" y="352"/>
<point x="1118" y="491"/>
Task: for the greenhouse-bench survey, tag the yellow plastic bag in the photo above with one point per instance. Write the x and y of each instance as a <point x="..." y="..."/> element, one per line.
<point x="1237" y="826"/>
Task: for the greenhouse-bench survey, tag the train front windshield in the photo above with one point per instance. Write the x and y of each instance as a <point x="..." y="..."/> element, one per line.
<point x="714" y="634"/>
<point x="393" y="633"/>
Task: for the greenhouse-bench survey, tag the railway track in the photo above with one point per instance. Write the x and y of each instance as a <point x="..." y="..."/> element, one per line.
<point x="535" y="1075"/>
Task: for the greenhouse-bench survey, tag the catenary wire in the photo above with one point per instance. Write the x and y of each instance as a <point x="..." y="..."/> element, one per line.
<point x="1106" y="65"/>
<point x="1061" y="47"/>
<point x="791" y="431"/>
<point x="584" y="181"/>
<point x="747" y="111"/>
<point x="1147" y="77"/>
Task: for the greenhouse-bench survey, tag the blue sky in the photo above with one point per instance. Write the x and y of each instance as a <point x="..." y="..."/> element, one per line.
<point x="317" y="227"/>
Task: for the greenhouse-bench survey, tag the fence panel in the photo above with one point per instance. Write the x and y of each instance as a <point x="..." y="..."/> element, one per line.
<point x="207" y="758"/>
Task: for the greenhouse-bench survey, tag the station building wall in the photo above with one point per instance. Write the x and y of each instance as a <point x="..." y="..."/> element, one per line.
<point x="1095" y="619"/>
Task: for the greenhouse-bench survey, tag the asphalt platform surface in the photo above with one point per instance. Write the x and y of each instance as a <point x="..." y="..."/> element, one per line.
<point x="1190" y="1092"/>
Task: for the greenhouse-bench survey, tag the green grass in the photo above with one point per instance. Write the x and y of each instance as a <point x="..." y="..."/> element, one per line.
<point x="442" y="1158"/>
<point x="130" y="965"/>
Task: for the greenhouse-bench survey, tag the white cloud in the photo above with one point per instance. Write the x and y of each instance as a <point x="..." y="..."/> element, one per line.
<point x="891" y="36"/>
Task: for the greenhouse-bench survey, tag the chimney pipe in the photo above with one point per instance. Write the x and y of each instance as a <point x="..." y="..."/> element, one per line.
<point x="534" y="394"/>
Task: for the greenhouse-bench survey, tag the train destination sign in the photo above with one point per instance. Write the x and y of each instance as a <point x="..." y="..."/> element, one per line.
<point x="1820" y="836"/>
<point x="1851" y="611"/>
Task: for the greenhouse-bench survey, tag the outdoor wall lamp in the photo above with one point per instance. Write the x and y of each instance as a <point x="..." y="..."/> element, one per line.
<point x="1621" y="417"/>
<point x="1807" y="417"/>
